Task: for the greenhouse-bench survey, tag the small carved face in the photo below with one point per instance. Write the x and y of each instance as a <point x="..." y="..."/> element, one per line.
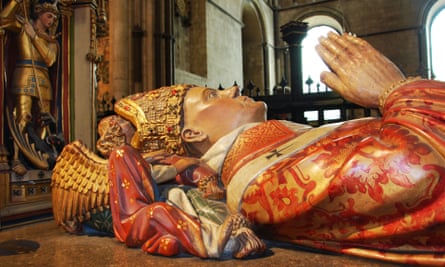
<point x="113" y="131"/>
<point x="47" y="19"/>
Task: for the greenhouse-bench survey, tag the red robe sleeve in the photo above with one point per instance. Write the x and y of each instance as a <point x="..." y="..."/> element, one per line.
<point x="138" y="219"/>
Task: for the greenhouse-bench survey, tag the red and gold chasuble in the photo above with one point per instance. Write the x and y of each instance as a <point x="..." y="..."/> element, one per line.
<point x="370" y="187"/>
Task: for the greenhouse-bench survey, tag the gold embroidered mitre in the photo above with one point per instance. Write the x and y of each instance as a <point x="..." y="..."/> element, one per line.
<point x="157" y="116"/>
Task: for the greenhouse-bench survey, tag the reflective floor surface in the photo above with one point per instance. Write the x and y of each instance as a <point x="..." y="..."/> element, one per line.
<point x="45" y="244"/>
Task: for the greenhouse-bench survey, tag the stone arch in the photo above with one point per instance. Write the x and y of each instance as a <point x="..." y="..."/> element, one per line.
<point x="253" y="44"/>
<point x="325" y="17"/>
<point x="311" y="63"/>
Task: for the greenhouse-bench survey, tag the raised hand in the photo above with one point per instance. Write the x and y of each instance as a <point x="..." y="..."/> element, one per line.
<point x="29" y="29"/>
<point x="359" y="72"/>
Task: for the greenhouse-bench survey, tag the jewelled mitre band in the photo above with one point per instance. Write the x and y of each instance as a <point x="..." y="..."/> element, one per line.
<point x="156" y="114"/>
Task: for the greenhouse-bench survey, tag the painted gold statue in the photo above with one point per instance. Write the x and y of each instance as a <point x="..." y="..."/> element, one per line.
<point x="30" y="89"/>
<point x="372" y="187"/>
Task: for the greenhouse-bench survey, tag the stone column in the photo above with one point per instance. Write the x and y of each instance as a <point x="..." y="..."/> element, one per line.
<point x="120" y="39"/>
<point x="293" y="34"/>
<point x="84" y="77"/>
<point x="64" y="101"/>
<point x="2" y="88"/>
<point x="266" y="67"/>
<point x="164" y="43"/>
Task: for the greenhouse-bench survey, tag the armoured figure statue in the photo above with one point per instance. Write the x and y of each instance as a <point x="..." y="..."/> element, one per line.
<point x="30" y="89"/>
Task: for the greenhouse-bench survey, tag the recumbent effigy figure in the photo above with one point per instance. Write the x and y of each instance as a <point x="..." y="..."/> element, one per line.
<point x="371" y="187"/>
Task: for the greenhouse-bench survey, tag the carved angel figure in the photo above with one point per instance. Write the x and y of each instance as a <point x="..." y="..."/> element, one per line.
<point x="84" y="184"/>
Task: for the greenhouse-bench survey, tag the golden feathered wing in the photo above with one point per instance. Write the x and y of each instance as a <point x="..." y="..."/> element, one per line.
<point x="79" y="184"/>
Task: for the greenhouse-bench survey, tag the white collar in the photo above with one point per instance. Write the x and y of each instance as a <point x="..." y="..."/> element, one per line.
<point x="214" y="157"/>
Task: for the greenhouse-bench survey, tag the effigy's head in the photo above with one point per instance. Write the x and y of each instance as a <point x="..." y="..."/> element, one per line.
<point x="186" y="119"/>
<point x="157" y="116"/>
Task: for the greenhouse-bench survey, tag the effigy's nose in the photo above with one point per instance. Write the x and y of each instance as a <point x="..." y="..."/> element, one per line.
<point x="233" y="91"/>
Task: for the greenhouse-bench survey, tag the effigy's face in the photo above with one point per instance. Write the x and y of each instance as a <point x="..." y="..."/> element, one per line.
<point x="217" y="112"/>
